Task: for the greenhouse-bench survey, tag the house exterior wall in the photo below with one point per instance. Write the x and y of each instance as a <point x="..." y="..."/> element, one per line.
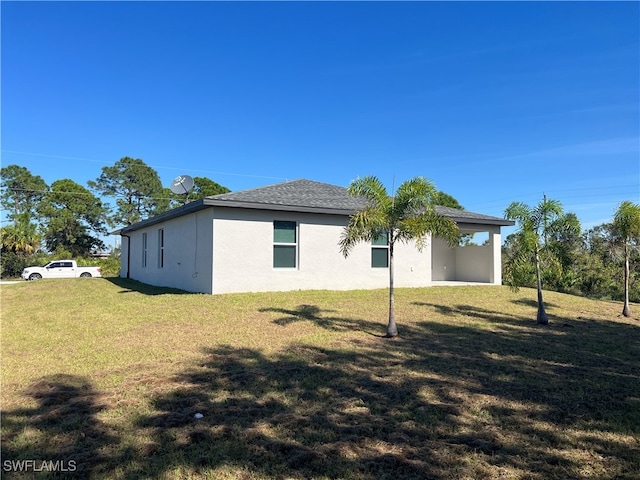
<point x="227" y="250"/>
<point x="444" y="261"/>
<point x="243" y="256"/>
<point x="473" y="263"/>
<point x="187" y="253"/>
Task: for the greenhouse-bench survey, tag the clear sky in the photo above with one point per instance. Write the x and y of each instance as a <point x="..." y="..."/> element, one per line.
<point x="493" y="101"/>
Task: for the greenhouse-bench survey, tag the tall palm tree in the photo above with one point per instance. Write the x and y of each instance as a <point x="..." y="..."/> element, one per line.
<point x="626" y="230"/>
<point x="535" y="227"/>
<point x="408" y="216"/>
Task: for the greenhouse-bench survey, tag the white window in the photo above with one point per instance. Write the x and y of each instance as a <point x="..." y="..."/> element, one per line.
<point x="380" y="251"/>
<point x="285" y="244"/>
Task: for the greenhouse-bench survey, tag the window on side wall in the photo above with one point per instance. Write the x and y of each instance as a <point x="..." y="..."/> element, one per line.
<point x="380" y="251"/>
<point x="285" y="244"/>
<point x="161" y="248"/>
<point x="144" y="250"/>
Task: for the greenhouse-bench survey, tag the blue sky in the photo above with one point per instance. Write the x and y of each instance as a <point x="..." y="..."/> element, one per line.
<point x="493" y="101"/>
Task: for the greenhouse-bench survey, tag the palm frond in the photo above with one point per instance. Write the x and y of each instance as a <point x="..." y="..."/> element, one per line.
<point x="414" y="196"/>
<point x="409" y="216"/>
<point x="519" y="264"/>
<point x="519" y="212"/>
<point x="372" y="189"/>
<point x="626" y="221"/>
<point x="546" y="213"/>
<point x="364" y="226"/>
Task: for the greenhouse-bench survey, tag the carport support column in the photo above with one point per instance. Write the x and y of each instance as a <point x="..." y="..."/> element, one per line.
<point x="495" y="243"/>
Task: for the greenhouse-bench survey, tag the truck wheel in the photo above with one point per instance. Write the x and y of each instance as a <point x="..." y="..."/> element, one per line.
<point x="35" y="276"/>
<point x="85" y="274"/>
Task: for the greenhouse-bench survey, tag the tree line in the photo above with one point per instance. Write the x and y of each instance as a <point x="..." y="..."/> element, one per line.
<point x="546" y="249"/>
<point x="549" y="249"/>
<point x="68" y="219"/>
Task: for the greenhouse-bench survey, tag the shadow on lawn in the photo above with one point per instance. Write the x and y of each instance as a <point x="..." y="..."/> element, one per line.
<point x="441" y="402"/>
<point x="61" y="429"/>
<point x="128" y="285"/>
<point x="444" y="401"/>
<point x="530" y="302"/>
<point x="492" y="316"/>
<point x="311" y="412"/>
<point x="316" y="315"/>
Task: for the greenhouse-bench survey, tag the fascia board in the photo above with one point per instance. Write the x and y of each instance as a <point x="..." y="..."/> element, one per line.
<point x="463" y="222"/>
<point x="277" y="207"/>
<point x="163" y="217"/>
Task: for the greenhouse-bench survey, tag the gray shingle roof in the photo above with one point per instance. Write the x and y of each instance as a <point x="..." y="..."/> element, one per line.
<point x="296" y="194"/>
<point x="309" y="196"/>
<point x="302" y="196"/>
<point x="471" y="217"/>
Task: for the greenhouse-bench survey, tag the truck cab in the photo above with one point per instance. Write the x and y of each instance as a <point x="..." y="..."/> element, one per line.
<point x="61" y="269"/>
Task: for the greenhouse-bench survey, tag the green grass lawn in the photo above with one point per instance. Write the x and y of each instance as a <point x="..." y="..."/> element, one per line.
<point x="104" y="376"/>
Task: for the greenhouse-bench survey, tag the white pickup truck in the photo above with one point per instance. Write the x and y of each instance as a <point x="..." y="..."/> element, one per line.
<point x="60" y="269"/>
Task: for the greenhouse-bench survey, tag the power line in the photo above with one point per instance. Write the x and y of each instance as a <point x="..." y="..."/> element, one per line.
<point x="619" y="192"/>
<point x="50" y="192"/>
<point x="106" y="163"/>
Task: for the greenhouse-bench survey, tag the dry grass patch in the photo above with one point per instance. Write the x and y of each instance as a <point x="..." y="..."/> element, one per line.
<point x="301" y="385"/>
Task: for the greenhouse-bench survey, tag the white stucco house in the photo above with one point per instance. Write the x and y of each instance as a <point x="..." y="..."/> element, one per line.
<point x="285" y="237"/>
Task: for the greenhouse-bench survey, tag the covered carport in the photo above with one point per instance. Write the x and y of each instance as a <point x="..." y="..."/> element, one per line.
<point x="469" y="263"/>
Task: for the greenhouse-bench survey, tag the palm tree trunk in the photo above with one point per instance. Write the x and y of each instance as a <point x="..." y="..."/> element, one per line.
<point x="542" y="315"/>
<point x="626" y="311"/>
<point x="392" y="330"/>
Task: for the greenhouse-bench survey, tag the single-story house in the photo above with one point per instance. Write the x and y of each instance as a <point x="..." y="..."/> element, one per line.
<point x="285" y="237"/>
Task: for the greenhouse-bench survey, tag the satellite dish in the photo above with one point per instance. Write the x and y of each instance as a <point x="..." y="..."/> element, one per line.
<point x="182" y="184"/>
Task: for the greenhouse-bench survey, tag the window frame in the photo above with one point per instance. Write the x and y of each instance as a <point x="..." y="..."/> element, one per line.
<point x="144" y="249"/>
<point x="376" y="247"/>
<point x="281" y="244"/>
<point x="161" y="248"/>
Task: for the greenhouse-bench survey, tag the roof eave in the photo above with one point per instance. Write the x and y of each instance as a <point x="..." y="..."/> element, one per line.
<point x="483" y="221"/>
<point x="212" y="202"/>
<point x="171" y="214"/>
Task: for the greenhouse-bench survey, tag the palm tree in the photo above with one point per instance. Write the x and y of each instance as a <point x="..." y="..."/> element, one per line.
<point x="626" y="230"/>
<point x="21" y="237"/>
<point x="536" y="226"/>
<point x="410" y="215"/>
